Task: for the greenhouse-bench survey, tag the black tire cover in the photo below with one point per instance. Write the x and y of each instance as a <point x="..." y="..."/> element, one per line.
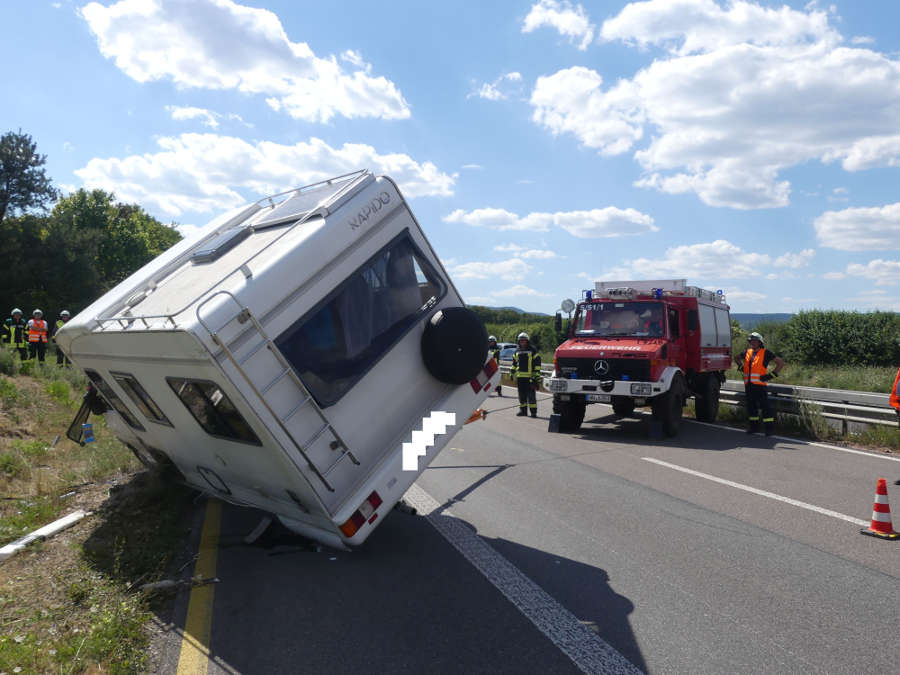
<point x="454" y="345"/>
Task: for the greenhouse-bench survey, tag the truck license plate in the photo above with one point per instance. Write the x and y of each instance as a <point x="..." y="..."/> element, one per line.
<point x="599" y="398"/>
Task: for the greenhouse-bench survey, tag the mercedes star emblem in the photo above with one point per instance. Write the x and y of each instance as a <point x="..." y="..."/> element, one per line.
<point x="601" y="367"/>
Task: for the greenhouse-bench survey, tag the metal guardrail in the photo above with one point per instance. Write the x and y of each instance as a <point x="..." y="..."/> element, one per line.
<point x="838" y="404"/>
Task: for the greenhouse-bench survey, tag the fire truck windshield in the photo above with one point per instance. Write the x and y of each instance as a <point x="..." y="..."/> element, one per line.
<point x="620" y="319"/>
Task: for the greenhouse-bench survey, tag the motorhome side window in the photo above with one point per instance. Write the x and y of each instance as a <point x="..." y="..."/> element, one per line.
<point x="212" y="409"/>
<point x="140" y="397"/>
<point x="338" y="341"/>
<point x="113" y="400"/>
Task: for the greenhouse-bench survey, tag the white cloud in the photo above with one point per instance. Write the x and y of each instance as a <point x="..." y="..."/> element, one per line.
<point x="696" y="26"/>
<point x="67" y="146"/>
<point x="712" y="261"/>
<point x="206" y="117"/>
<point x="519" y="291"/>
<point x="500" y="89"/>
<point x="219" y="44"/>
<point x="834" y="275"/>
<point x="795" y="260"/>
<point x="511" y="270"/>
<point x="862" y="40"/>
<point x="744" y="296"/>
<point x="876" y="299"/>
<point x="571" y="21"/>
<point x="882" y="272"/>
<point x="204" y="172"/>
<point x="522" y="252"/>
<point x="860" y="229"/>
<point x="596" y="223"/>
<point x="472" y="167"/>
<point x="744" y="93"/>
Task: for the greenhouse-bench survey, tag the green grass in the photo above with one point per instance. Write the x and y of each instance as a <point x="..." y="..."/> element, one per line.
<point x="70" y="604"/>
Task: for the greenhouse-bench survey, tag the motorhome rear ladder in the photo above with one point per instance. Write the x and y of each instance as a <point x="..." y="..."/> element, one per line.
<point x="305" y="399"/>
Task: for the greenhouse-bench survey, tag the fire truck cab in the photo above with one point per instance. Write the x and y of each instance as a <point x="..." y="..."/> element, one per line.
<point x="643" y="343"/>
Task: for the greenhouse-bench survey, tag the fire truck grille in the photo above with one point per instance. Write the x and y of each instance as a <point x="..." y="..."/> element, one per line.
<point x="591" y="369"/>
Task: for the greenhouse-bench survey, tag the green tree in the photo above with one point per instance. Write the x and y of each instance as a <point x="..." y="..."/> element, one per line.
<point x="23" y="183"/>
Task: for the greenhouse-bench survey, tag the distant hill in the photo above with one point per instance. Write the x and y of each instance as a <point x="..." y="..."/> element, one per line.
<point x="520" y="311"/>
<point x="748" y="321"/>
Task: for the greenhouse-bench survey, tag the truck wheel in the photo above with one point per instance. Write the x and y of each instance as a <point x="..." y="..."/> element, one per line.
<point x="571" y="413"/>
<point x="668" y="407"/>
<point x="454" y="345"/>
<point x="707" y="399"/>
<point x="622" y="406"/>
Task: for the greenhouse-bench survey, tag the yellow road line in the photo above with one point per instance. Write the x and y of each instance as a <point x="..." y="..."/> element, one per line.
<point x="194" y="657"/>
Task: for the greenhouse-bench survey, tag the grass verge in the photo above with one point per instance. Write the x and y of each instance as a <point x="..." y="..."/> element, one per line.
<point x="70" y="604"/>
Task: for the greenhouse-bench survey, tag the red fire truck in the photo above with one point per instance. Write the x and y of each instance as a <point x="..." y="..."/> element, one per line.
<point x="643" y="343"/>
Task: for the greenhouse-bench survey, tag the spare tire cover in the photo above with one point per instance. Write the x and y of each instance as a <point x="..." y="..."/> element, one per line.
<point x="454" y="345"/>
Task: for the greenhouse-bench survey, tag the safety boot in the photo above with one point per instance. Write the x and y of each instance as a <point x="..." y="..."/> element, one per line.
<point x="522" y="413"/>
<point x="534" y="413"/>
<point x="752" y="427"/>
<point x="769" y="428"/>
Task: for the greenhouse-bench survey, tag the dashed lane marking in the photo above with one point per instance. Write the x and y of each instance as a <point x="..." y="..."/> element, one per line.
<point x="757" y="491"/>
<point x="589" y="652"/>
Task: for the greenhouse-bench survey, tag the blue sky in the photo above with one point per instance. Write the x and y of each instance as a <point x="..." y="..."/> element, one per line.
<point x="747" y="146"/>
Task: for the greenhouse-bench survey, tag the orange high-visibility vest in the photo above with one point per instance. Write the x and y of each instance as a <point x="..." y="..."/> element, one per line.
<point x="895" y="394"/>
<point x="37" y="330"/>
<point x="754" y="366"/>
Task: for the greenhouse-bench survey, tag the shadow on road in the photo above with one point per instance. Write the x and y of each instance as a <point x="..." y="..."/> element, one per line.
<point x="636" y="430"/>
<point x="405" y="602"/>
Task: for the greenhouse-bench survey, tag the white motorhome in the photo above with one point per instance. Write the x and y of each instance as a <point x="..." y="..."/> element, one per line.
<point x="307" y="355"/>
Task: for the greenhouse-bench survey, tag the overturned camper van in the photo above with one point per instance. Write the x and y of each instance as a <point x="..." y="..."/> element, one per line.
<point x="307" y="355"/>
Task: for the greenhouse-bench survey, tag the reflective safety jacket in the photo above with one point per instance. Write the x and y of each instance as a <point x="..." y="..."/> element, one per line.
<point x="755" y="366"/>
<point x="895" y="392"/>
<point x="494" y="354"/>
<point x="37" y="330"/>
<point x="59" y="324"/>
<point x="15" y="333"/>
<point x="526" y="364"/>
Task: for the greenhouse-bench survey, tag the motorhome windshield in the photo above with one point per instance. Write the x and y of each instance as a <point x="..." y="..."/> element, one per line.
<point x="620" y="319"/>
<point x="337" y="342"/>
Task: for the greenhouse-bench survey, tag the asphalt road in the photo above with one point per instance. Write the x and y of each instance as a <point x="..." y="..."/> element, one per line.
<point x="601" y="551"/>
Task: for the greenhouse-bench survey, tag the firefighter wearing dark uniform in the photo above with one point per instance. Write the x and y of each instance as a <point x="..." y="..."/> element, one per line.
<point x="37" y="335"/>
<point x="15" y="333"/>
<point x="526" y="373"/>
<point x="895" y="396"/>
<point x="494" y="353"/>
<point x="61" y="359"/>
<point x="754" y="363"/>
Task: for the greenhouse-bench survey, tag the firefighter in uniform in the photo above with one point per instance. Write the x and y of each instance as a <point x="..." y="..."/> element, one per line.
<point x="61" y="358"/>
<point x="754" y="363"/>
<point x="526" y="372"/>
<point x="494" y="353"/>
<point x="15" y="333"/>
<point x="895" y="396"/>
<point x="37" y="335"/>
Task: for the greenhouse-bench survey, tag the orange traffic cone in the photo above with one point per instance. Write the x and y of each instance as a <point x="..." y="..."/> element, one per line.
<point x="881" y="514"/>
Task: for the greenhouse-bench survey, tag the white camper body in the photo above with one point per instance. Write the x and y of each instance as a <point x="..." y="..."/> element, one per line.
<point x="277" y="359"/>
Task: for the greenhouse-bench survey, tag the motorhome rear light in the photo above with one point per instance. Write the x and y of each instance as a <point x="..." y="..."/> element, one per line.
<point x="372" y="519"/>
<point x="374" y="500"/>
<point x="351" y="526"/>
<point x="482" y="381"/>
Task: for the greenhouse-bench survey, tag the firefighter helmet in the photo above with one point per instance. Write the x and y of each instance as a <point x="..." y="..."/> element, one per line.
<point x="492" y="338"/>
<point x="65" y="312"/>
<point x="17" y="311"/>
<point x="755" y="336"/>
<point x="522" y="336"/>
<point x="37" y="312"/>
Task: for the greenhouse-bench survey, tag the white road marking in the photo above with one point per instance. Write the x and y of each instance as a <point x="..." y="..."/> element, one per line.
<point x="589" y="652"/>
<point x="757" y="491"/>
